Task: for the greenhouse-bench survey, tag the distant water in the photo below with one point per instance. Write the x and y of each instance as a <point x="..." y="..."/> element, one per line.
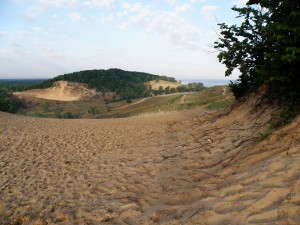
<point x="207" y="83"/>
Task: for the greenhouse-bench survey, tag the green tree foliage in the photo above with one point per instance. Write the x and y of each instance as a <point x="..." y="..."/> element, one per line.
<point x="13" y="85"/>
<point x="46" y="107"/>
<point x="195" y="86"/>
<point x="69" y="115"/>
<point x="265" y="48"/>
<point x="9" y="103"/>
<point x="93" y="111"/>
<point x="167" y="90"/>
<point x="60" y="114"/>
<point x="173" y="90"/>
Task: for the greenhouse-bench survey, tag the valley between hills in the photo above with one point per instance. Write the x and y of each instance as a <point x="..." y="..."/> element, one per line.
<point x="66" y="99"/>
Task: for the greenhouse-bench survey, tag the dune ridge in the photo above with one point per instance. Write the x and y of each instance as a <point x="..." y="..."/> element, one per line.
<point x="192" y="167"/>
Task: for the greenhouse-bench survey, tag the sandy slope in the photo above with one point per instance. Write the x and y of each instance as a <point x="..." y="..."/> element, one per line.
<point x="181" y="168"/>
<point x="155" y="85"/>
<point x="61" y="91"/>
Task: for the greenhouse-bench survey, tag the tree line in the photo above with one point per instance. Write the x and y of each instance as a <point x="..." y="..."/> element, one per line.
<point x="16" y="85"/>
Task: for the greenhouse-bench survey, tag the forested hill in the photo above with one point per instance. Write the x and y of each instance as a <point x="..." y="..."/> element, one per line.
<point x="125" y="84"/>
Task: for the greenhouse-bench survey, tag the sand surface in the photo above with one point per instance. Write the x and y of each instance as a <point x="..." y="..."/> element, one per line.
<point x="162" y="83"/>
<point x="192" y="167"/>
<point x="61" y="91"/>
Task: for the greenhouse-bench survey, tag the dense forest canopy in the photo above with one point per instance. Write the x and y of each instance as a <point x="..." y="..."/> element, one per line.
<point x="12" y="85"/>
<point x="265" y="48"/>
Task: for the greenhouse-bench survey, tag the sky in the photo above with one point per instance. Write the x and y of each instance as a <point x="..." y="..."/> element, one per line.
<point x="46" y="38"/>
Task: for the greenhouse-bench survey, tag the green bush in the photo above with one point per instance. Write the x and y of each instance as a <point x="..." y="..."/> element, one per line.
<point x="285" y="116"/>
<point x="41" y="115"/>
<point x="93" y="111"/>
<point x="69" y="115"/>
<point x="226" y="103"/>
<point x="9" y="103"/>
<point x="58" y="114"/>
<point x="46" y="107"/>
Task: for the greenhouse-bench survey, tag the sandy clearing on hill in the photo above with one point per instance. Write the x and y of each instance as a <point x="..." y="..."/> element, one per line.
<point x="155" y="85"/>
<point x="61" y="91"/>
<point x="179" y="168"/>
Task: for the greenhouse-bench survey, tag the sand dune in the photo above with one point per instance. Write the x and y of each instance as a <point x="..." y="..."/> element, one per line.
<point x="61" y="91"/>
<point x="179" y="168"/>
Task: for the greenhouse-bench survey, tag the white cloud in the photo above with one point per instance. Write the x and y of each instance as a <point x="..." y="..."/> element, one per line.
<point x="107" y="19"/>
<point x="171" y="2"/>
<point x="197" y="1"/>
<point x="168" y="24"/>
<point x="32" y="13"/>
<point x="2" y="33"/>
<point x="183" y="8"/>
<point x="37" y="29"/>
<point x="240" y="3"/>
<point x="123" y="25"/>
<point x="128" y="9"/>
<point x="20" y="52"/>
<point x="208" y="11"/>
<point x="99" y="3"/>
<point x="52" y="53"/>
<point x="132" y="8"/>
<point x="58" y="3"/>
<point x="75" y="16"/>
<point x="15" y="44"/>
<point x="25" y="33"/>
<point x="126" y="5"/>
<point x="21" y="1"/>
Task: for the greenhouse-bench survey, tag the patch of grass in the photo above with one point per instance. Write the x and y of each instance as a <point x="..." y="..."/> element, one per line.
<point x="40" y="114"/>
<point x="264" y="135"/>
<point x="56" y="109"/>
<point x="149" y="105"/>
<point x="222" y="104"/>
<point x="93" y="111"/>
<point x="285" y="116"/>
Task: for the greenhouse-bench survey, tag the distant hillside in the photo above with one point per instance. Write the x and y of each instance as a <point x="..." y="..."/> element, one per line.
<point x="125" y="84"/>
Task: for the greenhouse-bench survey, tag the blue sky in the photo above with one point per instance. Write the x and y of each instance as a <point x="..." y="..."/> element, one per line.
<point x="46" y="38"/>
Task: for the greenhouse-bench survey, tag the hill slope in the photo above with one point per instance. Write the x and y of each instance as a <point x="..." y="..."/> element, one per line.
<point x="62" y="91"/>
<point x="81" y="102"/>
<point x="191" y="167"/>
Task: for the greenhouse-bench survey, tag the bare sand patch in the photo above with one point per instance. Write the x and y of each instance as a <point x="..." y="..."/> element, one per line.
<point x="162" y="83"/>
<point x="191" y="167"/>
<point x="61" y="91"/>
